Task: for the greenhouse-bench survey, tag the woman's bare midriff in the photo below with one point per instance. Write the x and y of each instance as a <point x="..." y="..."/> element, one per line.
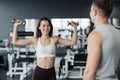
<point x="45" y="62"/>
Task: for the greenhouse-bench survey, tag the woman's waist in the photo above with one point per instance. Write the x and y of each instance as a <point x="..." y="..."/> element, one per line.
<point x="45" y="62"/>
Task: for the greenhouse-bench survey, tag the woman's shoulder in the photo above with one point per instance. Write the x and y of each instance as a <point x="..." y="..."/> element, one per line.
<point x="34" y="39"/>
<point x="55" y="38"/>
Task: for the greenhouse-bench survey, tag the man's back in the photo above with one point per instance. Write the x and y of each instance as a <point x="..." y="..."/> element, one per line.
<point x="110" y="51"/>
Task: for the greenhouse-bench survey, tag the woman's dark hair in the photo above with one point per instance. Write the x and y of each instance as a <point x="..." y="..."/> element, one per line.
<point x="38" y="32"/>
<point x="105" y="6"/>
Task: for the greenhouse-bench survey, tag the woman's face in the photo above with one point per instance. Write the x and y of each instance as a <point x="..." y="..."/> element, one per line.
<point x="45" y="27"/>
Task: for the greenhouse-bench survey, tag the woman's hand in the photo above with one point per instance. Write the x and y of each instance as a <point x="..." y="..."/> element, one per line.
<point x="74" y="24"/>
<point x="18" y="22"/>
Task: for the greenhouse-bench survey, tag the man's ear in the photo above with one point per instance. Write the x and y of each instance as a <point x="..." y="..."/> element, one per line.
<point x="95" y="12"/>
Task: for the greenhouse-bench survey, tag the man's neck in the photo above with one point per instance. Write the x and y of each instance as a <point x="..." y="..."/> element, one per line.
<point x="100" y="21"/>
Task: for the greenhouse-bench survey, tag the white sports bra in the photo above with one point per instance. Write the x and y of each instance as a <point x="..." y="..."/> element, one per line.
<point x="46" y="51"/>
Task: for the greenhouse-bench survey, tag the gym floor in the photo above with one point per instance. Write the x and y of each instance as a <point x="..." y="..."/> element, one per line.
<point x="3" y="75"/>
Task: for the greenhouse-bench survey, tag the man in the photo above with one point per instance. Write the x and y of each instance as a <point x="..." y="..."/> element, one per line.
<point x="103" y="44"/>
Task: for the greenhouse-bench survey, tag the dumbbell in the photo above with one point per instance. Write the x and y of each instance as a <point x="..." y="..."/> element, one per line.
<point x="69" y="23"/>
<point x="23" y="22"/>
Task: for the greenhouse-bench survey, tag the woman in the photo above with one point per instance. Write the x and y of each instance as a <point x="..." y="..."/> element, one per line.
<point x="45" y="45"/>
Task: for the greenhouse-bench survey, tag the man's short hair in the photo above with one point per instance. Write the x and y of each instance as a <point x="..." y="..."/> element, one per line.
<point x="105" y="7"/>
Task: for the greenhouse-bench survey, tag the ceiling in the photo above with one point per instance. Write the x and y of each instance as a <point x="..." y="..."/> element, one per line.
<point x="91" y="0"/>
<point x="116" y="0"/>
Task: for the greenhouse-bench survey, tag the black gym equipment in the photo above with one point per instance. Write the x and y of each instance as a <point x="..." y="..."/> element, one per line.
<point x="23" y="22"/>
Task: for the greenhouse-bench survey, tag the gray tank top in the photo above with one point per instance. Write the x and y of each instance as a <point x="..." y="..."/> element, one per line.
<point x="110" y="51"/>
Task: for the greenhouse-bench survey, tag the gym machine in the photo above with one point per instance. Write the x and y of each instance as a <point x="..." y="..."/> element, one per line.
<point x="20" y="58"/>
<point x="73" y="64"/>
<point x="4" y="50"/>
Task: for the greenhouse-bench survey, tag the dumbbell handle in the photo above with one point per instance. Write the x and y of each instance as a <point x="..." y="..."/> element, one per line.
<point x="13" y="20"/>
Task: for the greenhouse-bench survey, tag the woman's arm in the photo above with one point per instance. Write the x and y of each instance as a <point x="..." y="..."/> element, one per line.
<point x="73" y="41"/>
<point x="16" y="40"/>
